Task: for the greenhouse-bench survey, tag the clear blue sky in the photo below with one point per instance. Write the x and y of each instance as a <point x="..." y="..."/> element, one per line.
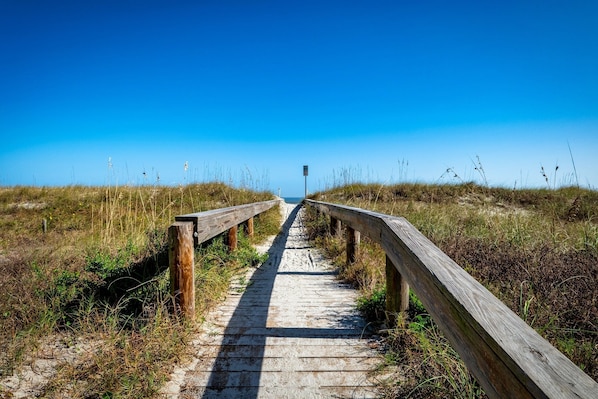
<point x="250" y="91"/>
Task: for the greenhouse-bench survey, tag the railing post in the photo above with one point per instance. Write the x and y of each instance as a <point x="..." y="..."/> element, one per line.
<point x="353" y="239"/>
<point x="232" y="238"/>
<point x="248" y="226"/>
<point x="181" y="259"/>
<point x="335" y="226"/>
<point x="397" y="292"/>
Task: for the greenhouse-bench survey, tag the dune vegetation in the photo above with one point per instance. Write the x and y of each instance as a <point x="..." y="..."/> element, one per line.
<point x="534" y="249"/>
<point x="83" y="278"/>
<point x="84" y="292"/>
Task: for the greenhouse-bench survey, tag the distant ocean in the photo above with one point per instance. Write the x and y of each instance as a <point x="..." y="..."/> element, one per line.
<point x="292" y="200"/>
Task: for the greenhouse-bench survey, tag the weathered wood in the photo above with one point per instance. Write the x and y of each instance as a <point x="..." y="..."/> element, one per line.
<point x="232" y="238"/>
<point x="508" y="358"/>
<point x="397" y="291"/>
<point x="335" y="226"/>
<point x="305" y="340"/>
<point x="192" y="229"/>
<point x="44" y="225"/>
<point x="211" y="223"/>
<point x="367" y="222"/>
<point x="248" y="225"/>
<point x="353" y="240"/>
<point x="181" y="260"/>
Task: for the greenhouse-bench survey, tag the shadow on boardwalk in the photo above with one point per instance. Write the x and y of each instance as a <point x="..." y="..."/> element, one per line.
<point x="293" y="343"/>
<point x="254" y="304"/>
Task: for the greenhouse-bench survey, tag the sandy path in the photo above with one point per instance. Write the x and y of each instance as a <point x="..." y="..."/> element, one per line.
<point x="291" y="332"/>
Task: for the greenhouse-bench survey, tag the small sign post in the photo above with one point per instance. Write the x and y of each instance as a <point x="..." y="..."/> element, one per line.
<point x="305" y="173"/>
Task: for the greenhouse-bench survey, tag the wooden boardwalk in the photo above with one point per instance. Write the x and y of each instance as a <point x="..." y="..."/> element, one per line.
<point x="289" y="330"/>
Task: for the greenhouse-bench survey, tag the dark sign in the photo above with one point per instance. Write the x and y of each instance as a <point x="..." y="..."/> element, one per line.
<point x="304" y="170"/>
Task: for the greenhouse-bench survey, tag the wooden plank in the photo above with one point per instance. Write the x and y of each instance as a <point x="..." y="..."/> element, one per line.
<point x="492" y="373"/>
<point x="366" y="222"/>
<point x="266" y="392"/>
<point x="317" y="350"/>
<point x="209" y="224"/>
<point x="288" y="379"/>
<point x="508" y="358"/>
<point x="181" y="260"/>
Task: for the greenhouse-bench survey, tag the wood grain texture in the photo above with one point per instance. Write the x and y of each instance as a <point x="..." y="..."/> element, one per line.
<point x="192" y="229"/>
<point x="232" y="238"/>
<point x="353" y="239"/>
<point x="508" y="358"/>
<point x="249" y="227"/>
<point x="397" y="291"/>
<point x="289" y="330"/>
<point x="181" y="258"/>
<point x="209" y="224"/>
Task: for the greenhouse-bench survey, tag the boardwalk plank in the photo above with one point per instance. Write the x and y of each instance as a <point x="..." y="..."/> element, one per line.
<point x="292" y="332"/>
<point x="281" y="393"/>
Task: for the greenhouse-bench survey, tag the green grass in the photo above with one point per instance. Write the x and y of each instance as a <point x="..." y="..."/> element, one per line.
<point x="536" y="250"/>
<point x="99" y="275"/>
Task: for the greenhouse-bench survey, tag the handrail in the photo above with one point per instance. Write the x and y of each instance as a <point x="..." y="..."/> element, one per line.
<point x="209" y="224"/>
<point x="508" y="358"/>
<point x="193" y="229"/>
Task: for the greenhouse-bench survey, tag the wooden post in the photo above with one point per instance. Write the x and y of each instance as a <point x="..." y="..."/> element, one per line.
<point x="335" y="226"/>
<point x="353" y="238"/>
<point x="397" y="292"/>
<point x="249" y="227"/>
<point x="232" y="238"/>
<point x="44" y="226"/>
<point x="181" y="259"/>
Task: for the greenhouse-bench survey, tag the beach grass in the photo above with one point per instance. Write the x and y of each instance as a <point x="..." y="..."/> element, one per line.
<point x="83" y="273"/>
<point x="534" y="249"/>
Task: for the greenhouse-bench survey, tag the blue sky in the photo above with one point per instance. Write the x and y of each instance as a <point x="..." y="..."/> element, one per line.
<point x="250" y="91"/>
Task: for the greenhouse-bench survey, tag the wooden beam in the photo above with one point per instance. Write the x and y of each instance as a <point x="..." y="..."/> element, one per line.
<point x="353" y="239"/>
<point x="397" y="292"/>
<point x="248" y="225"/>
<point x="232" y="238"/>
<point x="181" y="261"/>
<point x="508" y="358"/>
<point x="211" y="223"/>
<point x="190" y="230"/>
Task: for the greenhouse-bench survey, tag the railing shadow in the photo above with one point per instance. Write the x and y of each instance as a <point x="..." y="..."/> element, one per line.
<point x="237" y="369"/>
<point x="253" y="305"/>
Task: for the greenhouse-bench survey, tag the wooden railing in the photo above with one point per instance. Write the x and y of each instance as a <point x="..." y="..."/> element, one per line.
<point x="192" y="229"/>
<point x="508" y="358"/>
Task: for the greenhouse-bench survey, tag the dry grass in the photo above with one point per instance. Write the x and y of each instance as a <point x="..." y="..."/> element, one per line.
<point x="536" y="250"/>
<point x="98" y="275"/>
